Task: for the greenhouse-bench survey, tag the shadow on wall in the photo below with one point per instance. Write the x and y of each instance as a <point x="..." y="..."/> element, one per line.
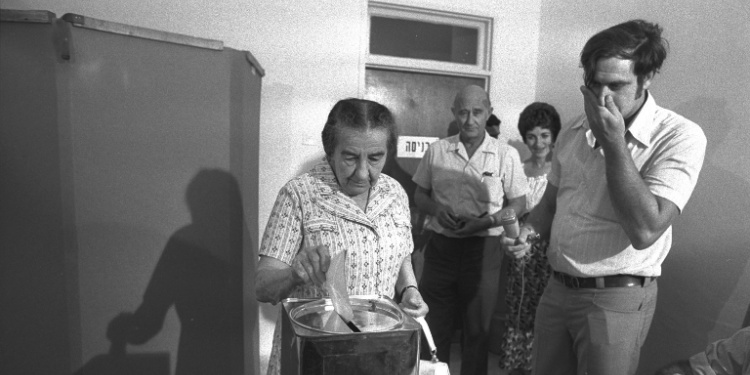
<point x="200" y="274"/>
<point x="709" y="252"/>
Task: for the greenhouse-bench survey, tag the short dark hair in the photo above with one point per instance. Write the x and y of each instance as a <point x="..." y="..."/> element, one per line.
<point x="635" y="40"/>
<point x="357" y="114"/>
<point x="493" y="121"/>
<point x="541" y="115"/>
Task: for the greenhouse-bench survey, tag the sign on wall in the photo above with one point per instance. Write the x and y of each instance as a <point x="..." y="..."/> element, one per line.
<point x="413" y="146"/>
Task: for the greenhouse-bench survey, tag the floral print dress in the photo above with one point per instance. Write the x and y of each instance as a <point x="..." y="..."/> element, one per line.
<point x="527" y="279"/>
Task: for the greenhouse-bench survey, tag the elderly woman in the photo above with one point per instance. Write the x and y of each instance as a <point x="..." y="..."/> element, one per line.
<point x="539" y="124"/>
<point x="343" y="204"/>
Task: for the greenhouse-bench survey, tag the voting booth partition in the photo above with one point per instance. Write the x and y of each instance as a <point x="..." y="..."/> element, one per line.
<point x="118" y="145"/>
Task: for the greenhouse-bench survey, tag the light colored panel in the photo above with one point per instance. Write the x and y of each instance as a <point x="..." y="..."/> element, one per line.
<point x="135" y="146"/>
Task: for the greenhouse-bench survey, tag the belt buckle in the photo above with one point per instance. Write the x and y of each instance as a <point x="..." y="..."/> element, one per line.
<point x="635" y="281"/>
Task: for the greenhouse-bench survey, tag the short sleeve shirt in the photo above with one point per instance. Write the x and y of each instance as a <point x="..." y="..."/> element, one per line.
<point x="725" y="357"/>
<point x="311" y="210"/>
<point x="587" y="239"/>
<point x="471" y="187"/>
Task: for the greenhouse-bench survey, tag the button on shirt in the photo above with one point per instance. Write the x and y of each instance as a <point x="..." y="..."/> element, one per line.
<point x="471" y="187"/>
<point x="587" y="239"/>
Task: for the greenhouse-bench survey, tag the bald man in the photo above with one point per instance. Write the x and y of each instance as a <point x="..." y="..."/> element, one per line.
<point x="461" y="182"/>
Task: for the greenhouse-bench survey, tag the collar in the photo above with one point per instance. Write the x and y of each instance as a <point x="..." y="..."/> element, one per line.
<point x="334" y="201"/>
<point x="641" y="129"/>
<point x="455" y="144"/>
<point x="325" y="179"/>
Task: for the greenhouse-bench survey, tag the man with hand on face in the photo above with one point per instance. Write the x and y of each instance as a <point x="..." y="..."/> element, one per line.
<point x="461" y="182"/>
<point x="620" y="176"/>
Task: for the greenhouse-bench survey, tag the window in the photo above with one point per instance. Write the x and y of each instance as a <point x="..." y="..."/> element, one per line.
<point x="428" y="41"/>
<point x="423" y="40"/>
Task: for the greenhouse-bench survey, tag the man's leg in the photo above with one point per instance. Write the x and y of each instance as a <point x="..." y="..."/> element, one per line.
<point x="614" y="328"/>
<point x="553" y="352"/>
<point x="478" y="289"/>
<point x="438" y="289"/>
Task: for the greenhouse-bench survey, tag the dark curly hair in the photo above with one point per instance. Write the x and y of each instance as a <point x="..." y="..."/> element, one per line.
<point x="636" y="40"/>
<point x="539" y="114"/>
<point x="357" y="114"/>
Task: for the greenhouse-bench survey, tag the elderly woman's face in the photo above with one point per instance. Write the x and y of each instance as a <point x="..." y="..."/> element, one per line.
<point x="358" y="158"/>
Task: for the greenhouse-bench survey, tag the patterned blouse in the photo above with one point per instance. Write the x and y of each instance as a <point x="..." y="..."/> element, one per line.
<point x="311" y="210"/>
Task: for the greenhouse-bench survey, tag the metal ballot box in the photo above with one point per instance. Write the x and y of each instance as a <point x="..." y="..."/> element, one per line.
<point x="388" y="344"/>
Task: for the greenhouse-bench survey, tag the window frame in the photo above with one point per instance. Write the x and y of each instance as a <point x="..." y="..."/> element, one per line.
<point x="482" y="69"/>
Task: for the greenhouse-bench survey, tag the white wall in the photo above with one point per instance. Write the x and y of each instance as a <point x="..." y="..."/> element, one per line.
<point x="313" y="56"/>
<point x="703" y="291"/>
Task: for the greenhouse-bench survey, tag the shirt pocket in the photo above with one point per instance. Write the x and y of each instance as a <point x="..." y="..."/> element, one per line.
<point x="490" y="189"/>
<point x="320" y="231"/>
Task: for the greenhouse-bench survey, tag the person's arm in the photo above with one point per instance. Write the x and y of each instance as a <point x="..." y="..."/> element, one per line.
<point x="474" y="225"/>
<point x="642" y="215"/>
<point x="274" y="279"/>
<point x="722" y="357"/>
<point x="515" y="184"/>
<point x="284" y="263"/>
<point x="426" y="204"/>
<point x="539" y="221"/>
<point x="540" y="217"/>
<point x="406" y="285"/>
<point x="423" y="194"/>
<point x="726" y="356"/>
<point x="517" y="204"/>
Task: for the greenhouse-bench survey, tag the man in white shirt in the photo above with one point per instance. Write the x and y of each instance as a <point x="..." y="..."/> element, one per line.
<point x="461" y="182"/>
<point x="620" y="176"/>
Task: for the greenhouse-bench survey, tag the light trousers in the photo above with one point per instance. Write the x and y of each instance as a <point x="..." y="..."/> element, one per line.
<point x="591" y="331"/>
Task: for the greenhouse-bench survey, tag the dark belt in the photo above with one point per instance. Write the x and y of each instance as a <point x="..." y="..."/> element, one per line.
<point x="615" y="281"/>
